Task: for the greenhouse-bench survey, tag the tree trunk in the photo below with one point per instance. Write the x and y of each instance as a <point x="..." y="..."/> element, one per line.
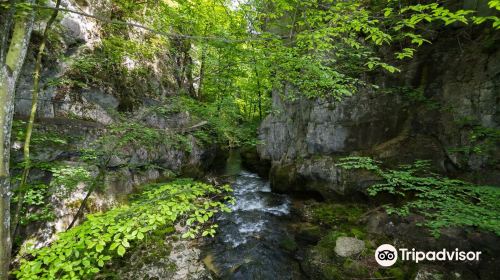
<point x="10" y="68"/>
<point x="259" y="89"/>
<point x="92" y="187"/>
<point x="202" y="72"/>
<point x="29" y="128"/>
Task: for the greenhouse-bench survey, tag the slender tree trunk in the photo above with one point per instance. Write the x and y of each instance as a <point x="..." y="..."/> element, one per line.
<point x="202" y="72"/>
<point x="259" y="97"/>
<point x="188" y="80"/>
<point x="259" y="88"/>
<point x="92" y="187"/>
<point x="29" y="128"/>
<point x="10" y="67"/>
<point x="6" y="21"/>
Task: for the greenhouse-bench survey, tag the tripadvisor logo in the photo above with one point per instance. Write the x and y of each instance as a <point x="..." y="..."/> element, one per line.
<point x="387" y="255"/>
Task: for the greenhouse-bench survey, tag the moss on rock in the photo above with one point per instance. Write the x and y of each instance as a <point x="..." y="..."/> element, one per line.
<point x="288" y="244"/>
<point x="334" y="214"/>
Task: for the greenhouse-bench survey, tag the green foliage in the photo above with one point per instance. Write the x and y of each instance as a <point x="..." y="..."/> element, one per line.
<point x="35" y="206"/>
<point x="443" y="201"/>
<point x="235" y="56"/>
<point x="481" y="140"/>
<point x="82" y="251"/>
<point x="65" y="84"/>
<point x="83" y="72"/>
<point x="65" y="178"/>
<point x="225" y="125"/>
<point x="118" y="63"/>
<point x="359" y="163"/>
<point x="39" y="137"/>
<point x="133" y="134"/>
<point x="322" y="48"/>
<point x="37" y="194"/>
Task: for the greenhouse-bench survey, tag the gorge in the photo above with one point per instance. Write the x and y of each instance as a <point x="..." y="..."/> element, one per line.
<point x="197" y="139"/>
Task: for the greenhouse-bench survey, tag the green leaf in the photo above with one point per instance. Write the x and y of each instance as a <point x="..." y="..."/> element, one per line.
<point x="125" y="243"/>
<point x="99" y="248"/>
<point x="140" y="235"/>
<point x="121" y="250"/>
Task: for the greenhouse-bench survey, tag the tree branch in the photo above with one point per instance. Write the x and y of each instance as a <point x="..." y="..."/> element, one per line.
<point x="154" y="31"/>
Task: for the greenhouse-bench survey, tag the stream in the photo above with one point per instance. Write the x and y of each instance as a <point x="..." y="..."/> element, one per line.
<point x="249" y="241"/>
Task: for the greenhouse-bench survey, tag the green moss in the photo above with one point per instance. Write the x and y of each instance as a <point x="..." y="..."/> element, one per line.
<point x="355" y="268"/>
<point x="326" y="246"/>
<point x="334" y="214"/>
<point x="358" y="232"/>
<point x="332" y="272"/>
<point x="396" y="272"/>
<point x="288" y="244"/>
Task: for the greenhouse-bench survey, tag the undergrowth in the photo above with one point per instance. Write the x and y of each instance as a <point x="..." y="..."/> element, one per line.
<point x="444" y="202"/>
<point x="225" y="124"/>
<point x="82" y="251"/>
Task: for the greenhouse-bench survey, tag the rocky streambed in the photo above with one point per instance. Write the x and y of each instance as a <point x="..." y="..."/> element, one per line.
<point x="300" y="236"/>
<point x="254" y="241"/>
<point x="277" y="236"/>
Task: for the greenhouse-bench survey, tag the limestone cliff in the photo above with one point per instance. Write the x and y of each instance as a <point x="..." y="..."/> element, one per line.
<point x="80" y="99"/>
<point x="442" y="107"/>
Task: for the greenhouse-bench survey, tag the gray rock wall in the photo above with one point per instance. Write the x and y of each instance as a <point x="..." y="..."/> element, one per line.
<point x="84" y="113"/>
<point x="454" y="121"/>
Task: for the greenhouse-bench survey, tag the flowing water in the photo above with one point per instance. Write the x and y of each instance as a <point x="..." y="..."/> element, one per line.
<point x="250" y="238"/>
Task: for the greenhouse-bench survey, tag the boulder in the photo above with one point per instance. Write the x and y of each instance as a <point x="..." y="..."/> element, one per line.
<point x="429" y="273"/>
<point x="348" y="246"/>
<point x="308" y="233"/>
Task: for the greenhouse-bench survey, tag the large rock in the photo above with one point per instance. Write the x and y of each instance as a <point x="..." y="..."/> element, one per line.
<point x="348" y="246"/>
<point x="303" y="128"/>
<point x="321" y="176"/>
<point x="129" y="168"/>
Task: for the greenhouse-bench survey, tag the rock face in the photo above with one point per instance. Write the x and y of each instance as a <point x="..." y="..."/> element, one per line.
<point x="349" y="246"/>
<point x="320" y="127"/>
<point x="83" y="113"/>
<point x="176" y="260"/>
<point x="76" y="32"/>
<point x="443" y="108"/>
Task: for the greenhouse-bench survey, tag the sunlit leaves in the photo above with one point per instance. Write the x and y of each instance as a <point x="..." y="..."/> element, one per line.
<point x="331" y="43"/>
<point x="83" y="250"/>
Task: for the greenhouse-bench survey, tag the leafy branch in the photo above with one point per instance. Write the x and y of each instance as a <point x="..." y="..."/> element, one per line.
<point x="444" y="202"/>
